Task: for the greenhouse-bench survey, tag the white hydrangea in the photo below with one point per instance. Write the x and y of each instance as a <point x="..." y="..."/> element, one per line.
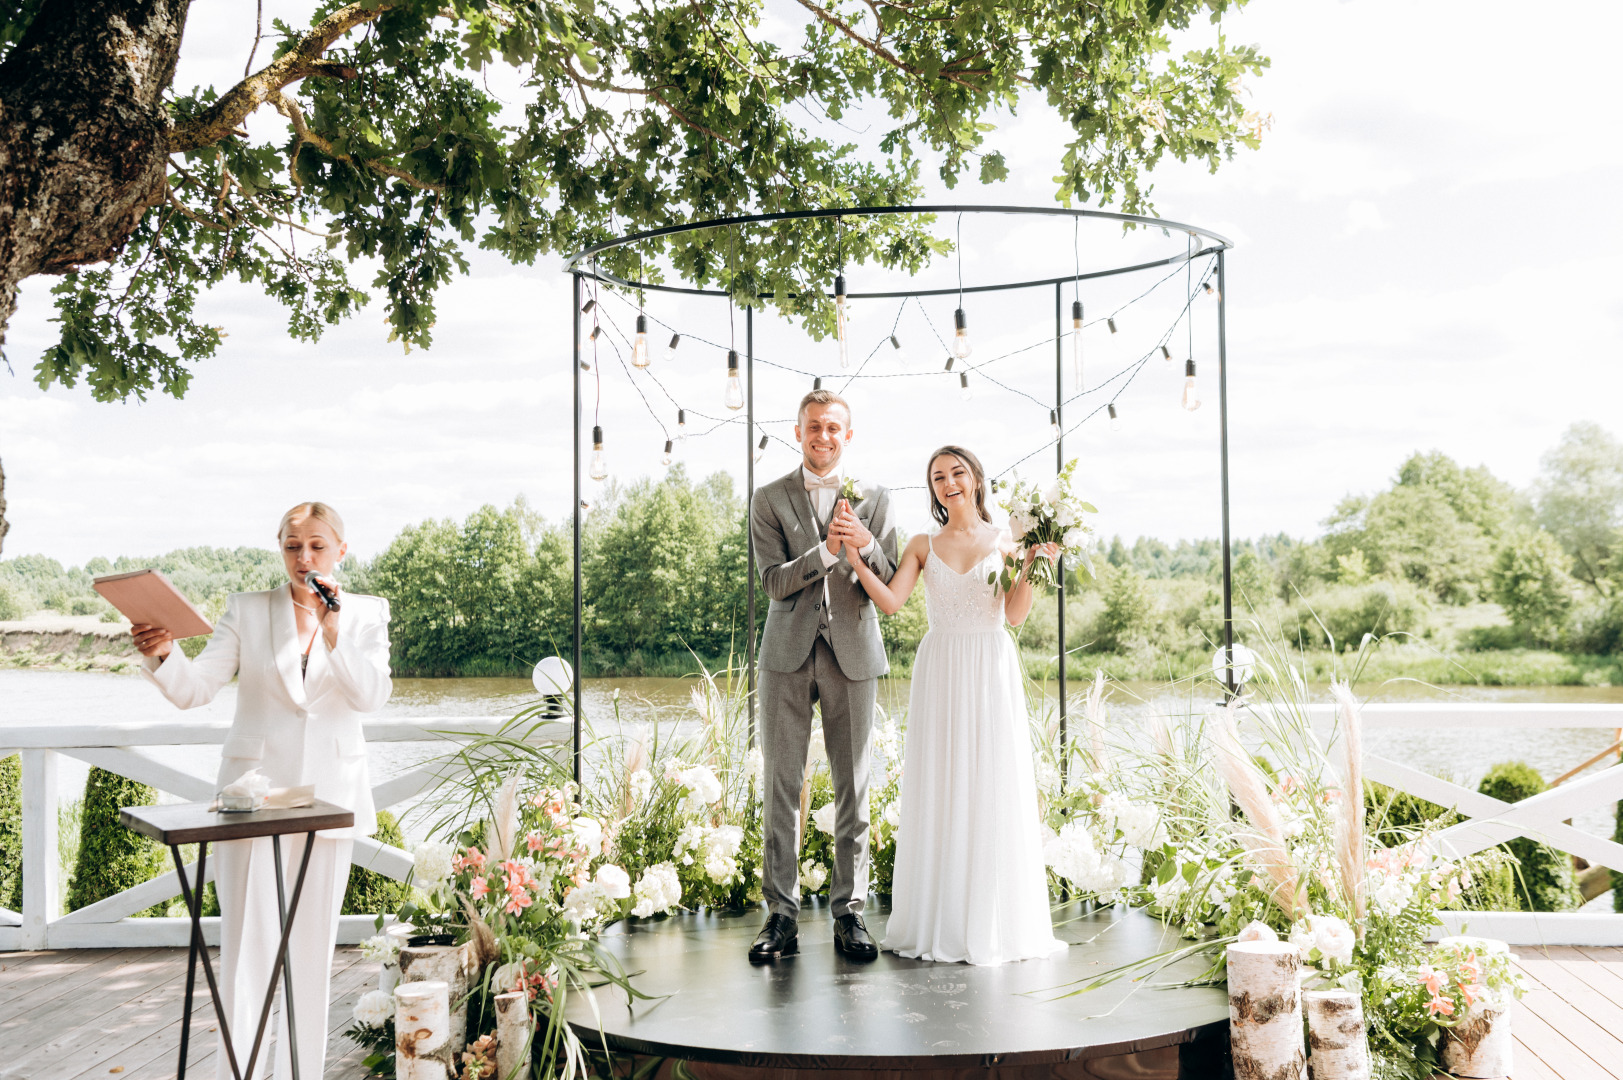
<point x="380" y="949"/>
<point x="582" y="902"/>
<point x="588" y="834"/>
<point x="716" y="850"/>
<point x="432" y="861"/>
<point x="1047" y="775"/>
<point x="755" y="767"/>
<point x="659" y="889"/>
<point x="615" y="882"/>
<point x="641" y="784"/>
<point x="1073" y="855"/>
<point x="893" y="814"/>
<point x="1140" y="823"/>
<point x="823" y="817"/>
<point x="699" y="781"/>
<point x="374" y="1009"/>
<point x="889" y="742"/>
<point x="812" y="875"/>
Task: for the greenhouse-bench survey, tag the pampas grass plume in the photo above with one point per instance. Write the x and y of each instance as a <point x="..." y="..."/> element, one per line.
<point x="1350" y="815"/>
<point x="1266" y="843"/>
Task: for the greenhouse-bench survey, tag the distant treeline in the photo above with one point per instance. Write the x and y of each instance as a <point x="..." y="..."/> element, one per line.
<point x="1451" y="555"/>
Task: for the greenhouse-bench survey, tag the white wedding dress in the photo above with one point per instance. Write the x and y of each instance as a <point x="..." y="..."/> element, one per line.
<point x="970" y="884"/>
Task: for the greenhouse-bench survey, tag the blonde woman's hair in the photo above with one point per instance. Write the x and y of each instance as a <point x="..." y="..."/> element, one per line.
<point x="318" y="510"/>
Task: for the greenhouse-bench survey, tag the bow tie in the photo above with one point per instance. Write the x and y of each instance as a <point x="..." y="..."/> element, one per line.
<point x="831" y="482"/>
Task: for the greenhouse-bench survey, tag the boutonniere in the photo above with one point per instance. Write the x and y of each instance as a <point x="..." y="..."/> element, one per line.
<point x="851" y="490"/>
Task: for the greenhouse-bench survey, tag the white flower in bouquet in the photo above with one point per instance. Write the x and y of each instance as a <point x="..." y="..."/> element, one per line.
<point x="889" y="742"/>
<point x="641" y="784"/>
<point x="755" y="766"/>
<point x="1047" y="775"/>
<point x="702" y="786"/>
<point x="506" y="979"/>
<point x="812" y="875"/>
<point x="1333" y="938"/>
<point x="724" y="840"/>
<point x="1052" y="494"/>
<point x="823" y="817"/>
<point x="380" y="949"/>
<point x="1303" y="937"/>
<point x="687" y="842"/>
<point x="588" y="835"/>
<point x="659" y="889"/>
<point x="1258" y="931"/>
<point x="581" y="902"/>
<point x="1073" y="855"/>
<point x="1140" y="823"/>
<point x="720" y="868"/>
<point x="432" y="861"/>
<point x="1075" y="537"/>
<point x="374" y="1009"/>
<point x="893" y="813"/>
<point x="615" y="882"/>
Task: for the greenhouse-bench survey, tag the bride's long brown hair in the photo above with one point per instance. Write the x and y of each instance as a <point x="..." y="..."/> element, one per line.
<point x="938" y="511"/>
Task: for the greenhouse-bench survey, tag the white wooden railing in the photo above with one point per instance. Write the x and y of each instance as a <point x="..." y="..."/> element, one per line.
<point x="122" y="748"/>
<point x="1490" y="821"/>
<point x="119" y="748"/>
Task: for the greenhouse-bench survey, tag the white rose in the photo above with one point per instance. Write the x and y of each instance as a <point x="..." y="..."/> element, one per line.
<point x="588" y="835"/>
<point x="893" y="814"/>
<point x="823" y="817"/>
<point x="1065" y="516"/>
<point x="375" y="1008"/>
<point x="1333" y="937"/>
<point x="432" y="863"/>
<point x="506" y="978"/>
<point x="1303" y="937"/>
<point x="615" y="882"/>
<point x="755" y="765"/>
<point x="1075" y="537"/>
<point x="1258" y="931"/>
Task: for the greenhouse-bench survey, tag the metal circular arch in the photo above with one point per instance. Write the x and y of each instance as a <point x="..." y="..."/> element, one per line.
<point x="1218" y="243"/>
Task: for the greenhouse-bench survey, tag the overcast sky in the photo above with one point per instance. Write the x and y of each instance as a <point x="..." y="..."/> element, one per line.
<point x="1425" y="258"/>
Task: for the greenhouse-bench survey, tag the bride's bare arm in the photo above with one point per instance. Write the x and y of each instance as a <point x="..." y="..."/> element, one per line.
<point x="890" y="597"/>
<point x="1017" y="601"/>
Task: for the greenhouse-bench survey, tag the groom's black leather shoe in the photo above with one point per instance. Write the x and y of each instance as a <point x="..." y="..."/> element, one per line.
<point x="851" y="938"/>
<point x="778" y="938"/>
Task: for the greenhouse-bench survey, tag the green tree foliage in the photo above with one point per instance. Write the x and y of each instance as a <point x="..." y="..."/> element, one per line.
<point x="112" y="858"/>
<point x="1530" y="581"/>
<point x="1342" y="614"/>
<point x="11" y="832"/>
<point x="1129" y="609"/>
<point x="1412" y="533"/>
<point x="395" y="152"/>
<point x="1579" y="495"/>
<point x="369" y="892"/>
<point x="1545" y="881"/>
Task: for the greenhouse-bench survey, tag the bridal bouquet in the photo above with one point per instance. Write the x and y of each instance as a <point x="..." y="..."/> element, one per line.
<point x="1045" y="516"/>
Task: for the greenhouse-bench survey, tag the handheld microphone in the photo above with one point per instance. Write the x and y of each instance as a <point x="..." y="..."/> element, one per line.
<point x="313" y="580"/>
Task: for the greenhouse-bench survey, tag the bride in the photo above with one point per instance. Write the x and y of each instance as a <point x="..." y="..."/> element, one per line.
<point x="969" y="884"/>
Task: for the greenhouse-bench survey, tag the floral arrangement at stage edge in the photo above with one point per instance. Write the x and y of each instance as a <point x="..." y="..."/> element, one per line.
<point x="1051" y="515"/>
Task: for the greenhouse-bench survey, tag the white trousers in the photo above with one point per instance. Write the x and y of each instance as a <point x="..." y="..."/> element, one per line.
<point x="250" y="930"/>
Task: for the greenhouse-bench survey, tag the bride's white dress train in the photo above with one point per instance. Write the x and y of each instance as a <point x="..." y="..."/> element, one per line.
<point x="969" y="884"/>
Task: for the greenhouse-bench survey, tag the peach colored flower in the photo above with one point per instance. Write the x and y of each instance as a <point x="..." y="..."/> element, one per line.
<point x="480" y="888"/>
<point x="1432" y="979"/>
<point x="1439" y="1005"/>
<point x="534" y="841"/>
<point x="517" y="902"/>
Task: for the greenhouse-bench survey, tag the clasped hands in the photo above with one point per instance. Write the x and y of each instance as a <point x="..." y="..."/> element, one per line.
<point x="846" y="530"/>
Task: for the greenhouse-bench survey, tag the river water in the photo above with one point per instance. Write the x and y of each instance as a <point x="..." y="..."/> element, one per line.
<point x="56" y="697"/>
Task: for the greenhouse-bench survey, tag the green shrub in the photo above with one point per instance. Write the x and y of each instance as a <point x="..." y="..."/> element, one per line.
<point x="1394" y="817"/>
<point x="1545" y="880"/>
<point x="11" y="832"/>
<point x="1129" y="609"/>
<point x="111" y="857"/>
<point x="13" y="605"/>
<point x="369" y="892"/>
<point x="1531" y="583"/>
<point x="1597" y="628"/>
<point x="1348" y="612"/>
<point x="1617" y="878"/>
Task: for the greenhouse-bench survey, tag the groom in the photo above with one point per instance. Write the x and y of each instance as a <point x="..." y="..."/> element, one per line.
<point x="821" y="644"/>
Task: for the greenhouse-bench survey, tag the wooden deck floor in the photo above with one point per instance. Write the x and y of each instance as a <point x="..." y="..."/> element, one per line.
<point x="82" y="1013"/>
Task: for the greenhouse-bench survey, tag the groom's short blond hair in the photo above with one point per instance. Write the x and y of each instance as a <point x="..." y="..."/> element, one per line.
<point x="822" y="397"/>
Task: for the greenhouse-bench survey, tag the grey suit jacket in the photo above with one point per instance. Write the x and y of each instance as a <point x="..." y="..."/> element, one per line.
<point x="785" y="530"/>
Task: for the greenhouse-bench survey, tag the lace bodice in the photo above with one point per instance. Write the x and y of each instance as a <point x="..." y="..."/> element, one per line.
<point x="962" y="603"/>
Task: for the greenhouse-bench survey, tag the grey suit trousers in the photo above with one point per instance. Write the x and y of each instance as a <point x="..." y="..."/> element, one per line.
<point x="786" y="708"/>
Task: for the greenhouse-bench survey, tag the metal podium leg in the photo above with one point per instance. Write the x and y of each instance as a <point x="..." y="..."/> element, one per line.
<point x="287" y="969"/>
<point x="194" y="906"/>
<point x="281" y="955"/>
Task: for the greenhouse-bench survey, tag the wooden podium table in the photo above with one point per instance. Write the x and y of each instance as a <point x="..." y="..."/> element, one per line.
<point x="195" y="823"/>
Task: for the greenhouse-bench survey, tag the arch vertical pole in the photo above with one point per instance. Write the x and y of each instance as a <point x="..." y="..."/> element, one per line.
<point x="749" y="498"/>
<point x="574" y="364"/>
<point x="1223" y="458"/>
<point x="1059" y="463"/>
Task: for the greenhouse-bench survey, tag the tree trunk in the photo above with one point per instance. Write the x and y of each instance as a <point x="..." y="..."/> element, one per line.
<point x="422" y="1031"/>
<point x="454" y="965"/>
<point x="1480" y="1045"/>
<point x="1265" y="1011"/>
<point x="1335" y="1031"/>
<point x="513" y="1028"/>
<point x="83" y="133"/>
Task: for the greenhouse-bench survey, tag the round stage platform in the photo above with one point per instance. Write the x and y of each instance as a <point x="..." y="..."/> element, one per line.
<point x="818" y="1010"/>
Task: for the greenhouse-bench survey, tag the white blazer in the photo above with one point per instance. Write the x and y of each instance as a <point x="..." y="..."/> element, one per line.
<point x="295" y="731"/>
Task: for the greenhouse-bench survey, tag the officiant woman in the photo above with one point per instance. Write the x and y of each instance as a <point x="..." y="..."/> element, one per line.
<point x="305" y="676"/>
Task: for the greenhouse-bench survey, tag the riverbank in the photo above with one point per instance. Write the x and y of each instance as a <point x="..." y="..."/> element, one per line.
<point x="50" y="642"/>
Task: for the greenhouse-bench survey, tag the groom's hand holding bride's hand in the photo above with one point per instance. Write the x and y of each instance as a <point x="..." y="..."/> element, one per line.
<point x="851" y="527"/>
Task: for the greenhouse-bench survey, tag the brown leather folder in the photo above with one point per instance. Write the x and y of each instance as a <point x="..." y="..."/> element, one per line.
<point x="146" y="596"/>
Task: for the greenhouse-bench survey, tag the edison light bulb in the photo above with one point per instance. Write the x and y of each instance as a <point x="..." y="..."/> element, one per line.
<point x="665" y="458"/>
<point x="960" y="335"/>
<point x="1076" y="340"/>
<point x="670" y="350"/>
<point x="1210" y="291"/>
<point x="839" y="320"/>
<point x="1111" y="322"/>
<point x="1191" y="393"/>
<point x="1053" y="423"/>
<point x="760" y="449"/>
<point x="735" y="385"/>
<point x="964" y="390"/>
<point x="599" y="469"/>
<point x="681" y="425"/>
<point x="901" y="357"/>
<point x="639" y="345"/>
<point x="1166" y="353"/>
<point x="1115" y="421"/>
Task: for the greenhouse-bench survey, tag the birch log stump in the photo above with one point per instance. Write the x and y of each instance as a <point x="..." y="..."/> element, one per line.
<point x="1335" y="1032"/>
<point x="456" y="967"/>
<point x="513" y="1027"/>
<point x="1265" y="1011"/>
<point x="422" y="1031"/>
<point x="1480" y="1044"/>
